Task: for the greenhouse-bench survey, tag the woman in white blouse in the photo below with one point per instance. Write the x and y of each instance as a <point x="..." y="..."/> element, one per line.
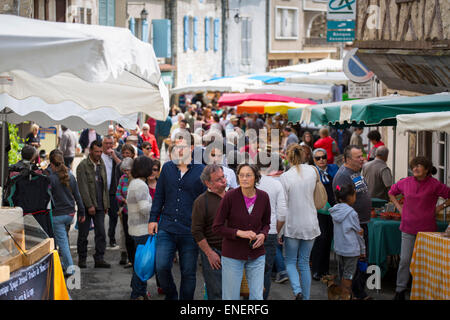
<point x="139" y="203"/>
<point x="300" y="222"/>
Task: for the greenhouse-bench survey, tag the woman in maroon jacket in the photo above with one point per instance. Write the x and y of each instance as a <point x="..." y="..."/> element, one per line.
<point x="243" y="219"/>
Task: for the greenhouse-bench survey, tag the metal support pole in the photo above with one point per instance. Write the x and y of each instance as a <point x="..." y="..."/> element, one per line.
<point x="2" y="161"/>
<point x="445" y="168"/>
<point x="394" y="128"/>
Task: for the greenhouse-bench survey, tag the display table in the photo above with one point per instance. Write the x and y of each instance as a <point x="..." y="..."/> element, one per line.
<point x="385" y="239"/>
<point x="430" y="267"/>
<point x="43" y="280"/>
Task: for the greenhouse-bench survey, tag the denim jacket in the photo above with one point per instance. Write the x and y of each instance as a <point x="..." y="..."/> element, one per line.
<point x="175" y="196"/>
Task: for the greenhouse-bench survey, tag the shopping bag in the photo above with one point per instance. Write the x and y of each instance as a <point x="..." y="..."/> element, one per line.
<point x="144" y="259"/>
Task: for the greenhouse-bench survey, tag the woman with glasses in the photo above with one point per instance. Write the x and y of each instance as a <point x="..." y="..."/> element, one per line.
<point x="300" y="222"/>
<point x="150" y="138"/>
<point x="153" y="179"/>
<point x="320" y="254"/>
<point x="243" y="220"/>
<point x="147" y="149"/>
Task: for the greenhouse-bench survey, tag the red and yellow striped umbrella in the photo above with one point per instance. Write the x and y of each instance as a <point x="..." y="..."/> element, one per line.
<point x="262" y="107"/>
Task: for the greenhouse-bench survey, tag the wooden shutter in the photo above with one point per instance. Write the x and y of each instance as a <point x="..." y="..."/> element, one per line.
<point x="132" y="25"/>
<point x="195" y="34"/>
<point x="186" y="33"/>
<point x="216" y="34"/>
<point x="207" y="32"/>
<point x="161" y="34"/>
<point x="111" y="13"/>
<point x="145" y="31"/>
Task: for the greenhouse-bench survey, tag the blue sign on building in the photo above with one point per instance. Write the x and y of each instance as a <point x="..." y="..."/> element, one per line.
<point x="337" y="25"/>
<point x="340" y="35"/>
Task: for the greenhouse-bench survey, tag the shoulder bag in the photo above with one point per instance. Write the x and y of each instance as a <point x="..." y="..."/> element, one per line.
<point x="320" y="194"/>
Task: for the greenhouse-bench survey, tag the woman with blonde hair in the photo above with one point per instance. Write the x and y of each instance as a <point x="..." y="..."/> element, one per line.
<point x="300" y="222"/>
<point x="65" y="193"/>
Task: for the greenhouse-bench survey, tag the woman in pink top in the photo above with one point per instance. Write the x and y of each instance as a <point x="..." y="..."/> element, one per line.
<point x="421" y="192"/>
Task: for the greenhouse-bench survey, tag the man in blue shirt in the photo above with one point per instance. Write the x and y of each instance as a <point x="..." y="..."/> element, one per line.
<point x="178" y="186"/>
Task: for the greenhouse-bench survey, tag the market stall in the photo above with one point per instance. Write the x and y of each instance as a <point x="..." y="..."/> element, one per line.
<point x="385" y="240"/>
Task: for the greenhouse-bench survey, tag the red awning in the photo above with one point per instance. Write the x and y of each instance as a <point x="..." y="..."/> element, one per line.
<point x="234" y="99"/>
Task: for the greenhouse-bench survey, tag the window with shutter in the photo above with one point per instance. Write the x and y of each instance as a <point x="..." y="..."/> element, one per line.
<point x="145" y="31"/>
<point x="107" y="12"/>
<point x="195" y="33"/>
<point x="246" y="40"/>
<point x="161" y="35"/>
<point x="186" y="33"/>
<point x="207" y="26"/>
<point x="89" y="16"/>
<point x="286" y="23"/>
<point x="132" y="25"/>
<point x="111" y="17"/>
<point x="216" y="34"/>
<point x="102" y="12"/>
<point x="81" y="15"/>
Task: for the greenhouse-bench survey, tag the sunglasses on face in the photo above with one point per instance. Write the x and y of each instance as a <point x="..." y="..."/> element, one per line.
<point x="155" y="169"/>
<point x="148" y="148"/>
<point x="322" y="157"/>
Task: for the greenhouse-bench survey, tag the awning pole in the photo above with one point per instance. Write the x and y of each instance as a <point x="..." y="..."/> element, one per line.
<point x="394" y="153"/>
<point x="3" y="118"/>
<point x="445" y="168"/>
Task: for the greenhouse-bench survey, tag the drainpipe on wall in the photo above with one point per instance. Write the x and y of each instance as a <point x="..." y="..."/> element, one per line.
<point x="224" y="34"/>
<point x="268" y="38"/>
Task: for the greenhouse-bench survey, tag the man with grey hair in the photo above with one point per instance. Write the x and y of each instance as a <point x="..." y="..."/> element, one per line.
<point x="378" y="175"/>
<point x="203" y="213"/>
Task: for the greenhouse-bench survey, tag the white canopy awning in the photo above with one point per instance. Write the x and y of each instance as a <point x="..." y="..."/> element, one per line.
<point x="329" y="78"/>
<point x="232" y="84"/>
<point x="324" y="65"/>
<point x="67" y="113"/>
<point x="430" y="121"/>
<point x="305" y="91"/>
<point x="93" y="66"/>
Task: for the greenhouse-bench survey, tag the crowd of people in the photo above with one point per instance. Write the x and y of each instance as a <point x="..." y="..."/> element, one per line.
<point x="238" y="190"/>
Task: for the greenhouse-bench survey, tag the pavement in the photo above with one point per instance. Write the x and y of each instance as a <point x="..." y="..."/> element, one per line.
<point x="114" y="283"/>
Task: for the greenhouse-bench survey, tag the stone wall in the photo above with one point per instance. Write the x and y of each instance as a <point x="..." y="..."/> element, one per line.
<point x="22" y="8"/>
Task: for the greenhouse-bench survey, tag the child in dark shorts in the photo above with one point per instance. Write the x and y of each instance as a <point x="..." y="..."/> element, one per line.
<point x="348" y="241"/>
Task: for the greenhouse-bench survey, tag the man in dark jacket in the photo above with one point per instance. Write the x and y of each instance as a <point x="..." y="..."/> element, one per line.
<point x="87" y="136"/>
<point x="92" y="183"/>
<point x="342" y="137"/>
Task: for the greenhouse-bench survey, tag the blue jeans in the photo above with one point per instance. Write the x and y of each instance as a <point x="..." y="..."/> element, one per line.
<point x="59" y="227"/>
<point x="297" y="251"/>
<point x="213" y="277"/>
<point x="279" y="259"/>
<point x="138" y="287"/>
<point x="270" y="244"/>
<point x="232" y="272"/>
<point x="166" y="246"/>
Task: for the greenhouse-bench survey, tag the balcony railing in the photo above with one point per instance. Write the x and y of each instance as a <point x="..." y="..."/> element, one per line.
<point x="317" y="42"/>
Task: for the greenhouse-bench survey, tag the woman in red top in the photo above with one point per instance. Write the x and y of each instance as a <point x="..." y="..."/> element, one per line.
<point x="327" y="143"/>
<point x="148" y="137"/>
